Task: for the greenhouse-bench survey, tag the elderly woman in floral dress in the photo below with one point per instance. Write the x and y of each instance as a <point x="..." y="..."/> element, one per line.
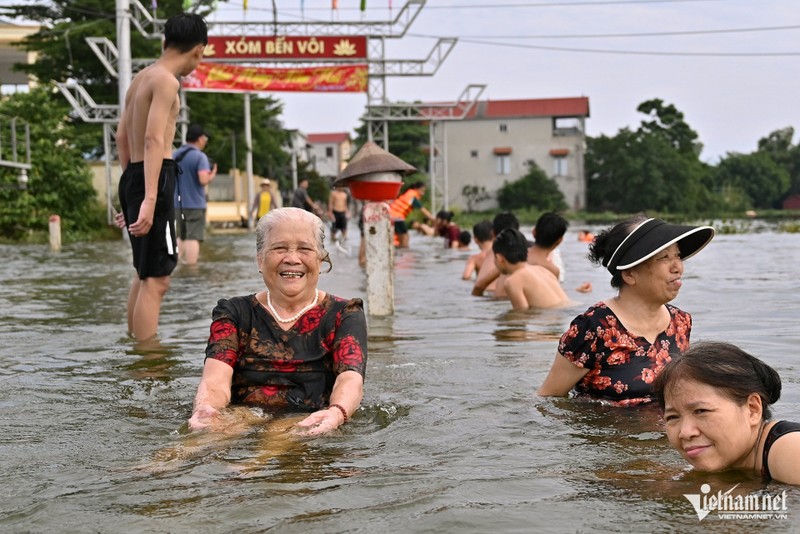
<point x="615" y="349"/>
<point x="289" y="347"/>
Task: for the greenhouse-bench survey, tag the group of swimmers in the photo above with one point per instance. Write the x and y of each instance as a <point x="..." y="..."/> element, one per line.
<point x="634" y="349"/>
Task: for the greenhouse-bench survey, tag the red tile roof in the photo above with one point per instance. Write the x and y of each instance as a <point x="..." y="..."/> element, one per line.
<point x="545" y="107"/>
<point x="323" y="138"/>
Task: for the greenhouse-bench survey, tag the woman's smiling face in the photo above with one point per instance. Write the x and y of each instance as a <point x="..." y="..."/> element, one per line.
<point x="290" y="263"/>
<point x="709" y="429"/>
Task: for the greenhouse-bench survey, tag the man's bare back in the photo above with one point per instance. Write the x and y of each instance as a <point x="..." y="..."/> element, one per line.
<point x="533" y="286"/>
<point x="338" y="200"/>
<point x="153" y="90"/>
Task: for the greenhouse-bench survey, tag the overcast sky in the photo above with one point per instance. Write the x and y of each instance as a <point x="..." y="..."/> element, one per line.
<point x="731" y="66"/>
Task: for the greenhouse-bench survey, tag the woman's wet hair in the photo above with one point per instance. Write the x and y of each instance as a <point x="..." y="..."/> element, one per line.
<point x="726" y="367"/>
<point x="607" y="241"/>
<point x="293" y="217"/>
<point x="512" y="245"/>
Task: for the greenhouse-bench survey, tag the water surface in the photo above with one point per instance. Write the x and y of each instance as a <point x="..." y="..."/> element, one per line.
<point x="451" y="436"/>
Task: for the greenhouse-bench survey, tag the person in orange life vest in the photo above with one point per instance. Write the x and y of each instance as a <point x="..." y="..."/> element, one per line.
<point x="402" y="206"/>
<point x="264" y="201"/>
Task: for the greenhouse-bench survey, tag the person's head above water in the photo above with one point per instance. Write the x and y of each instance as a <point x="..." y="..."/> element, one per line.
<point x="637" y="239"/>
<point x="715" y="399"/>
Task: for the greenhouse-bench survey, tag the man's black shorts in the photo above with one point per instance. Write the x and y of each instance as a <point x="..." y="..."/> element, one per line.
<point x="155" y="254"/>
<point x="339" y="221"/>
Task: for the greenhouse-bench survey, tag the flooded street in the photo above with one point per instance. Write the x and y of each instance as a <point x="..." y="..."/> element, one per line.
<point x="451" y="436"/>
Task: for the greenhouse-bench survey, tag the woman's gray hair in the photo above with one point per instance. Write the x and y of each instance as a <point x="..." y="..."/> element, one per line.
<point x="291" y="216"/>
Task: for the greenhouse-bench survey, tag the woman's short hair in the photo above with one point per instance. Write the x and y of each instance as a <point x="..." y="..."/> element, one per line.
<point x="294" y="217"/>
<point x="725" y="367"/>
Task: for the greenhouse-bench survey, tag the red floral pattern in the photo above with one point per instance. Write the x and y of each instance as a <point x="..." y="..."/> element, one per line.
<point x="622" y="365"/>
<point x="288" y="369"/>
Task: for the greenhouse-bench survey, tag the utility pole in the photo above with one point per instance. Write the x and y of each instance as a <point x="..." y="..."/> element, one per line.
<point x="124" y="72"/>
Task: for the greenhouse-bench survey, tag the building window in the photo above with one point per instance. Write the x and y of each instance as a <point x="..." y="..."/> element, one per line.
<point x="563" y="126"/>
<point x="503" y="127"/>
<point x="328" y="151"/>
<point x="473" y="153"/>
<point x="560" y="166"/>
<point x="503" y="164"/>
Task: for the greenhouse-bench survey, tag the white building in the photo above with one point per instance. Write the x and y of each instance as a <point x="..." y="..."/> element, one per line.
<point x="329" y="152"/>
<point x="499" y="140"/>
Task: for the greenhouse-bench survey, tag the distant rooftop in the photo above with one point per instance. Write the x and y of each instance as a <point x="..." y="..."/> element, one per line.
<point x="325" y="138"/>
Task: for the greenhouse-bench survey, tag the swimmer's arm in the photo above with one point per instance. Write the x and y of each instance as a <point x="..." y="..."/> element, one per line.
<point x="783" y="465"/>
<point x="213" y="393"/>
<point x="348" y="390"/>
<point x="469" y="269"/>
<point x="562" y="377"/>
<point x="485" y="278"/>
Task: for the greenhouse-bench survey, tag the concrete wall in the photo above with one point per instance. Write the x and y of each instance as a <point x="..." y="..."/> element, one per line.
<point x="471" y="159"/>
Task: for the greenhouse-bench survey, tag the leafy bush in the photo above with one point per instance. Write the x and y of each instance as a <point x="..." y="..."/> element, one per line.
<point x="534" y="190"/>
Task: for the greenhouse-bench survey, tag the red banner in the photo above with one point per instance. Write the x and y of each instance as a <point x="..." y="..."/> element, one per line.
<point x="331" y="79"/>
<point x="286" y="47"/>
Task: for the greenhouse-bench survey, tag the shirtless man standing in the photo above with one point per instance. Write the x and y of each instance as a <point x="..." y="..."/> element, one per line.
<point x="337" y="211"/>
<point x="146" y="189"/>
<point x="527" y="286"/>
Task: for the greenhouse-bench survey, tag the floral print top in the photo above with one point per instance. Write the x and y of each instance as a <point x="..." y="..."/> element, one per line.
<point x="293" y="369"/>
<point x="621" y="366"/>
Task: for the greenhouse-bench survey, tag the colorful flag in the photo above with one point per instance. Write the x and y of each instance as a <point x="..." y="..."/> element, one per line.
<point x="334" y="4"/>
<point x="244" y="4"/>
<point x="363" y="5"/>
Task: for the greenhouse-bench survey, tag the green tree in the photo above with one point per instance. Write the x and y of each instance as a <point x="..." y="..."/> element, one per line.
<point x="778" y="145"/>
<point x="222" y="116"/>
<point x="656" y="167"/>
<point x="408" y="140"/>
<point x="59" y="181"/>
<point x="757" y="175"/>
<point x="63" y="53"/>
<point x="533" y="191"/>
<point x="668" y="124"/>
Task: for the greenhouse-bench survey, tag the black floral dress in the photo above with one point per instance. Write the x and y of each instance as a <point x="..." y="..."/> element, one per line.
<point x="293" y="369"/>
<point x="621" y="366"/>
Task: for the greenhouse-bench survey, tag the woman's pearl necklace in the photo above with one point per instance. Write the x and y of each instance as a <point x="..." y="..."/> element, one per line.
<point x="295" y="317"/>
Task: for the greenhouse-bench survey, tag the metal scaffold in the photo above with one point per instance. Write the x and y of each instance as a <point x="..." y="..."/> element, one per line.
<point x="379" y="111"/>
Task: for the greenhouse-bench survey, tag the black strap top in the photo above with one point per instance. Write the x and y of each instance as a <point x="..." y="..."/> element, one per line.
<point x="778" y="429"/>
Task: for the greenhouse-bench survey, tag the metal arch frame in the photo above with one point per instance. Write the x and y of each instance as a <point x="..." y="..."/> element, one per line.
<point x="154" y="28"/>
<point x="437" y="115"/>
<point x="85" y="106"/>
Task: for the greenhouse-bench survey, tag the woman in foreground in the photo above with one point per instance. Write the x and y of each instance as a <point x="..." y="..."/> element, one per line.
<point x="289" y="347"/>
<point x="715" y="399"/>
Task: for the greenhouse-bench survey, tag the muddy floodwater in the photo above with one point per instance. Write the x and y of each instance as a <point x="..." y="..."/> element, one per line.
<point x="451" y="436"/>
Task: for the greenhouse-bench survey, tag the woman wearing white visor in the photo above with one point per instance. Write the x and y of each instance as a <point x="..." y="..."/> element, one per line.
<point x="615" y="349"/>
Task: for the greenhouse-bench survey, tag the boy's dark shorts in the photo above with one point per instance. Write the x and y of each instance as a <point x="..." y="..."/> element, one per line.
<point x="400" y="227"/>
<point x="155" y="254"/>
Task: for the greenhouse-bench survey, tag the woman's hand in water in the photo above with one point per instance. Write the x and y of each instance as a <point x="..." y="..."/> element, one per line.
<point x="203" y="417"/>
<point x="320" y="422"/>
